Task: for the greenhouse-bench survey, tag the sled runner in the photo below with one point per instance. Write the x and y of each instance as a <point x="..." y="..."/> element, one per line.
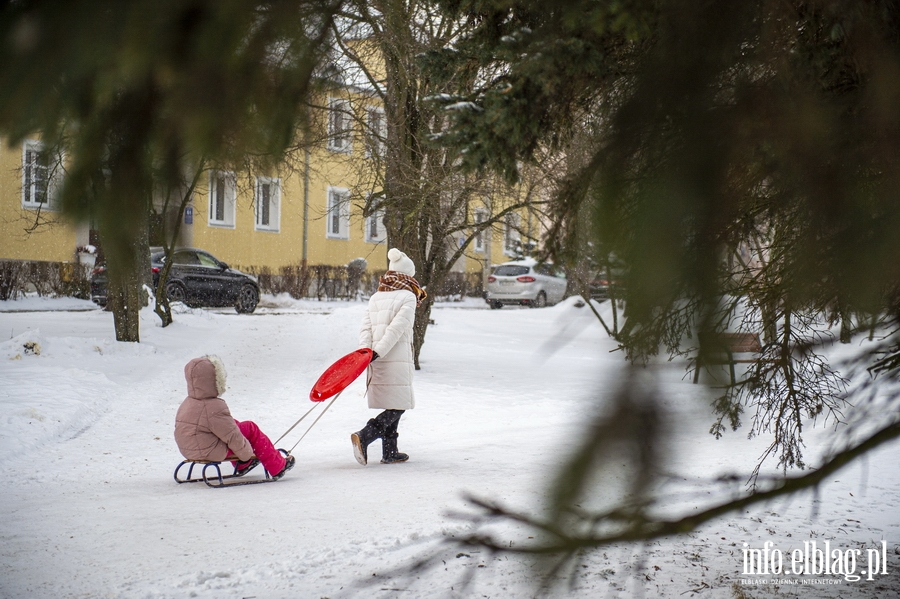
<point x="211" y="473"/>
<point x="339" y="375"/>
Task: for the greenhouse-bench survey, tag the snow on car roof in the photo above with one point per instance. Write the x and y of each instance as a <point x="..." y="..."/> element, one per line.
<point x="522" y="262"/>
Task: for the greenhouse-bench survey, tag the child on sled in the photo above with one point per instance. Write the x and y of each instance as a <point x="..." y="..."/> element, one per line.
<point x="205" y="429"/>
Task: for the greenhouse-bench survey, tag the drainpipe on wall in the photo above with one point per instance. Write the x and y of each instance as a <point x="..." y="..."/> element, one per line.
<point x="305" y="206"/>
<point x="486" y="270"/>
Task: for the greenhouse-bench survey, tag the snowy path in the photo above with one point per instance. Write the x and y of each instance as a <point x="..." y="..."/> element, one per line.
<point x="91" y="510"/>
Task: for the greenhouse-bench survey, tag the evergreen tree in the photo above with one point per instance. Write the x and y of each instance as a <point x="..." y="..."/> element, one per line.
<point x="742" y="160"/>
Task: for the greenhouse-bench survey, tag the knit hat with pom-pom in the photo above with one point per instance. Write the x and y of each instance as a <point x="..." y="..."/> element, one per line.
<point x="400" y="262"/>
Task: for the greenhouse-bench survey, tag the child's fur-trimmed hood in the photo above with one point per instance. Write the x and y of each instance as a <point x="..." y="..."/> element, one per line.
<point x="206" y="377"/>
<point x="221" y="375"/>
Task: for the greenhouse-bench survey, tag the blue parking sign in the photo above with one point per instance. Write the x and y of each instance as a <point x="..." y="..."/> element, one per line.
<point x="189" y="215"/>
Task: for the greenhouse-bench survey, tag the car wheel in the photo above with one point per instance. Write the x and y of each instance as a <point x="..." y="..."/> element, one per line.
<point x="540" y="301"/>
<point x="247" y="300"/>
<point x="495" y="305"/>
<point x="175" y="292"/>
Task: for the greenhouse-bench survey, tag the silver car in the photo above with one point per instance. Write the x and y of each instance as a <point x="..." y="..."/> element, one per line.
<point x="525" y="283"/>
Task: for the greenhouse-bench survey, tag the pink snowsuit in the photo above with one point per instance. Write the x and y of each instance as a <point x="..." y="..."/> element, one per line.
<point x="205" y="429"/>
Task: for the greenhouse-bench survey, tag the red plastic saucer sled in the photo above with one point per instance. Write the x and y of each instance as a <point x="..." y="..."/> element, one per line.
<point x="340" y="374"/>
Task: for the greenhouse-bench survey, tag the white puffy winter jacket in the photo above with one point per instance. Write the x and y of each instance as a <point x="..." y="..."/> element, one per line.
<point x="387" y="329"/>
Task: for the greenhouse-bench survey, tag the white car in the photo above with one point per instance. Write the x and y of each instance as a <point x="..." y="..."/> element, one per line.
<point x="525" y="283"/>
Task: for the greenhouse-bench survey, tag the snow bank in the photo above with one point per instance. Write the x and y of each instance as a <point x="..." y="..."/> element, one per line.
<point x="33" y="302"/>
<point x="52" y="403"/>
<point x="91" y="509"/>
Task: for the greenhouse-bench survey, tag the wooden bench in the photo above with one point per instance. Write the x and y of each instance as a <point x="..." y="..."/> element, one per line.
<point x="720" y="348"/>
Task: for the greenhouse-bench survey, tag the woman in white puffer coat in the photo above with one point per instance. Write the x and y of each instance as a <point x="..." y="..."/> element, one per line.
<point x="387" y="330"/>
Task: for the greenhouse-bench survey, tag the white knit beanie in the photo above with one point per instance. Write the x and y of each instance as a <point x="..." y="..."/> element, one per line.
<point x="400" y="262"/>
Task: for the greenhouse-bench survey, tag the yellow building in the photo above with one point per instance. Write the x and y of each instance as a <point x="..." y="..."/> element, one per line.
<point x="306" y="211"/>
<point x="283" y="218"/>
<point x="31" y="226"/>
<point x="310" y="212"/>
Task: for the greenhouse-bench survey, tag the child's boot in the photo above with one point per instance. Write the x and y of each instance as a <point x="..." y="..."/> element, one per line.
<point x="289" y="462"/>
<point x="242" y="468"/>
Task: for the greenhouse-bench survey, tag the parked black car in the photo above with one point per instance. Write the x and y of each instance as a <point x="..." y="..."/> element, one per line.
<point x="196" y="278"/>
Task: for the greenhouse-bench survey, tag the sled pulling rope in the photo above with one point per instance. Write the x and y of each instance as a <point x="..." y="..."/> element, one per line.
<point x="308" y="412"/>
<point x="314" y="421"/>
<point x="332" y="383"/>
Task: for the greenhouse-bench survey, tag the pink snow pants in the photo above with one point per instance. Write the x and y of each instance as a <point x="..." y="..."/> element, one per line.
<point x="269" y="457"/>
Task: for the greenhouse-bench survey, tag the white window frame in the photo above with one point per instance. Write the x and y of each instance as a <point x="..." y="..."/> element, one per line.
<point x="274" y="204"/>
<point x="37" y="193"/>
<point x="511" y="233"/>
<point x="376" y="221"/>
<point x="339" y="130"/>
<point x="376" y="130"/>
<point x="337" y="215"/>
<point x="229" y="198"/>
<point x="479" y="217"/>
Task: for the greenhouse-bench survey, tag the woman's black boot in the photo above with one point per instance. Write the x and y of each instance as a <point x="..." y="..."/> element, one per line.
<point x="389" y="453"/>
<point x="362" y="439"/>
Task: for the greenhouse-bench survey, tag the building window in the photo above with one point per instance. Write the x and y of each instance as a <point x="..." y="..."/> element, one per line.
<point x="35" y="176"/>
<point x="337" y="218"/>
<point x="511" y="235"/>
<point x="268" y="203"/>
<point x="480" y="216"/>
<point x="339" y="129"/>
<point x="375" y="231"/>
<point x="222" y="198"/>
<point x="375" y="132"/>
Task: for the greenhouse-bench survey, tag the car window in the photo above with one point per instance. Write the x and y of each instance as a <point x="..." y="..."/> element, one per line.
<point x="510" y="270"/>
<point x="207" y="260"/>
<point x="185" y="258"/>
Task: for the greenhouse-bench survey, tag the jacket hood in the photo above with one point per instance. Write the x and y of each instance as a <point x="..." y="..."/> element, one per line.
<point x="205" y="377"/>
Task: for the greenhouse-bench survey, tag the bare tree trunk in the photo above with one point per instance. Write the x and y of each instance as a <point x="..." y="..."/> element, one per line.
<point x="846" y="325"/>
<point x="162" y="307"/>
<point x="403" y="160"/>
<point x="126" y="275"/>
<point x="423" y="317"/>
<point x="124" y="214"/>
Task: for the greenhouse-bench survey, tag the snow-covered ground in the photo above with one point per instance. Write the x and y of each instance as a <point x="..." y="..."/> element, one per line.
<point x="90" y="508"/>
